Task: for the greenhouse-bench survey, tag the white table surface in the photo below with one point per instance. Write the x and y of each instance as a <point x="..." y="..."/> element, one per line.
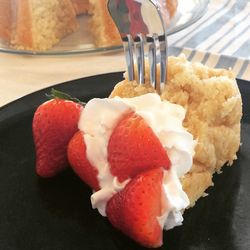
<point x="22" y="74"/>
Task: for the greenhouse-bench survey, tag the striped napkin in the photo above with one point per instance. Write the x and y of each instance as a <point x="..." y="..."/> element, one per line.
<point x="220" y="39"/>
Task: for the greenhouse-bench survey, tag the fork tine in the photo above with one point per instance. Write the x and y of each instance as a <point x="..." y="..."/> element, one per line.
<point x="152" y="60"/>
<point x="128" y="50"/>
<point x="142" y="17"/>
<point x="139" y="52"/>
<point x="163" y="60"/>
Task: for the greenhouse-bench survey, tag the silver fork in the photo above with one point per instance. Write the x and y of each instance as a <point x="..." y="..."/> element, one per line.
<point x="143" y="32"/>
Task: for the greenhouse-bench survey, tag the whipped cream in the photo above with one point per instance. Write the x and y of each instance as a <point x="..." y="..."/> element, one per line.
<point x="98" y="120"/>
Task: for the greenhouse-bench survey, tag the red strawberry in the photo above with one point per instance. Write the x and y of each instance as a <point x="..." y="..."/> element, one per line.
<point x="135" y="209"/>
<point x="54" y="124"/>
<point x="79" y="162"/>
<point x="134" y="148"/>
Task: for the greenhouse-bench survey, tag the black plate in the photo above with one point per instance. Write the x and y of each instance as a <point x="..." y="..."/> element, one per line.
<point x="56" y="213"/>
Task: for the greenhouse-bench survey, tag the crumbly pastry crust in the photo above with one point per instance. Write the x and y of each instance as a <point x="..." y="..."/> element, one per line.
<point x="213" y="112"/>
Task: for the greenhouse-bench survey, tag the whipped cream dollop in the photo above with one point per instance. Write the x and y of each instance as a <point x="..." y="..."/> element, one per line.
<point x="98" y="120"/>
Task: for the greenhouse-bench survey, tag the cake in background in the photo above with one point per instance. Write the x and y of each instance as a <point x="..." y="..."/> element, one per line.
<point x="102" y="26"/>
<point x="36" y="24"/>
<point x="5" y="20"/>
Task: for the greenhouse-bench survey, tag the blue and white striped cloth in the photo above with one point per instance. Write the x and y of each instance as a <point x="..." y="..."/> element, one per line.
<point x="221" y="38"/>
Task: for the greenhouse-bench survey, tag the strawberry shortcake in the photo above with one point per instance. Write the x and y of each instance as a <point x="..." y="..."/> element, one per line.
<point x="147" y="157"/>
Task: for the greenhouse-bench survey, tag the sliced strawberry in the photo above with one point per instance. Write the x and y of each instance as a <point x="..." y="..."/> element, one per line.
<point x="135" y="209"/>
<point x="54" y="124"/>
<point x="134" y="148"/>
<point x="79" y="162"/>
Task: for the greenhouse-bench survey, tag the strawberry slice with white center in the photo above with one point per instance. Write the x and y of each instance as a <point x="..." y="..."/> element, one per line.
<point x="133" y="148"/>
<point x="135" y="209"/>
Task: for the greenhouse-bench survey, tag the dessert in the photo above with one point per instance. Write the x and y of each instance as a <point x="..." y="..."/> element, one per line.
<point x="36" y="25"/>
<point x="147" y="157"/>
